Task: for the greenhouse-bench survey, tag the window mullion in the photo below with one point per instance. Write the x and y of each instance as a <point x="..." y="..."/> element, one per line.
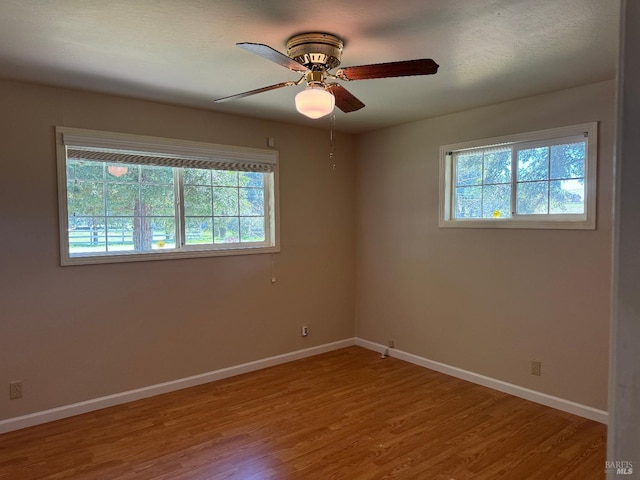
<point x="141" y="213"/>
<point x="266" y="219"/>
<point x="213" y="205"/>
<point x="514" y="181"/>
<point x="548" y="180"/>
<point x="238" y="195"/>
<point x="482" y="188"/>
<point x="104" y="202"/>
<point x="180" y="229"/>
<point x="454" y="186"/>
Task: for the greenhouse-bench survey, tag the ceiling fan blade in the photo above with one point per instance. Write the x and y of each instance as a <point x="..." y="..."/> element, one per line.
<point x="253" y="92"/>
<point x="345" y="101"/>
<point x="424" y="66"/>
<point x="265" y="51"/>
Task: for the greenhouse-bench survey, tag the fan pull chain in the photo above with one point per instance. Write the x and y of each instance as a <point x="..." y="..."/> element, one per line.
<point x="332" y="142"/>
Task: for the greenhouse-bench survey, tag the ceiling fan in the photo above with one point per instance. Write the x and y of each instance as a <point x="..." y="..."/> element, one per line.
<point x="314" y="55"/>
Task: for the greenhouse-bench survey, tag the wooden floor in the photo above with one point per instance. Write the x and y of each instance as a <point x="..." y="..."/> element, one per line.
<point x="347" y="415"/>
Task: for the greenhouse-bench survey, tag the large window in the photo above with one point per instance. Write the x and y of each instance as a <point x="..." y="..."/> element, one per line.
<point x="126" y="198"/>
<point x="544" y="179"/>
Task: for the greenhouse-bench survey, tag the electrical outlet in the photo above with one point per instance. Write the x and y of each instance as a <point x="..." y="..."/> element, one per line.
<point x="304" y="331"/>
<point x="536" y="367"/>
<point x="15" y="390"/>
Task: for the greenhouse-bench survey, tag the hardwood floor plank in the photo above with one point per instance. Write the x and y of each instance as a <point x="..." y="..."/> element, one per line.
<point x="346" y="414"/>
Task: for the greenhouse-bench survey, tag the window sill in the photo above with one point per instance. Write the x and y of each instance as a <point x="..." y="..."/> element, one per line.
<point x="173" y="255"/>
<point x="521" y="224"/>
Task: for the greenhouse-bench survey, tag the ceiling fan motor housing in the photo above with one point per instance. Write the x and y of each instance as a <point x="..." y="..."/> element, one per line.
<point x="319" y="50"/>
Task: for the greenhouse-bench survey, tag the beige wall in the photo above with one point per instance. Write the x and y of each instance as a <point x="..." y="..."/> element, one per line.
<point x="82" y="332"/>
<point x="485" y="300"/>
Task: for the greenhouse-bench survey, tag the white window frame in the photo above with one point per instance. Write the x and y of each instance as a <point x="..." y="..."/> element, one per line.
<point x="585" y="221"/>
<point x="193" y="152"/>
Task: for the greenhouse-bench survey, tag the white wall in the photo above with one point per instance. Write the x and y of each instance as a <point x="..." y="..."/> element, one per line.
<point x="624" y="431"/>
<point x="485" y="300"/>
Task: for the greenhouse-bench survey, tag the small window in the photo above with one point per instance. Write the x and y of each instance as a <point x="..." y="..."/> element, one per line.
<point x="129" y="198"/>
<point x="544" y="179"/>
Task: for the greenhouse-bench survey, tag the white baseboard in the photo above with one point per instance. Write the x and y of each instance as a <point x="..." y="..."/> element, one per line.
<point x="532" y="395"/>
<point x="65" y="411"/>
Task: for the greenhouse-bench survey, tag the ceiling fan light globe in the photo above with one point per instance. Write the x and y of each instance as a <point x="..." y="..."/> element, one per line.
<point x="315" y="102"/>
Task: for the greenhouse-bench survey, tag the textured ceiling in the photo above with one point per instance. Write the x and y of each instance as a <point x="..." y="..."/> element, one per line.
<point x="183" y="51"/>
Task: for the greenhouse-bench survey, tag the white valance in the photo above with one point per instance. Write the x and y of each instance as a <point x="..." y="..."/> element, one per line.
<point x="134" y="149"/>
